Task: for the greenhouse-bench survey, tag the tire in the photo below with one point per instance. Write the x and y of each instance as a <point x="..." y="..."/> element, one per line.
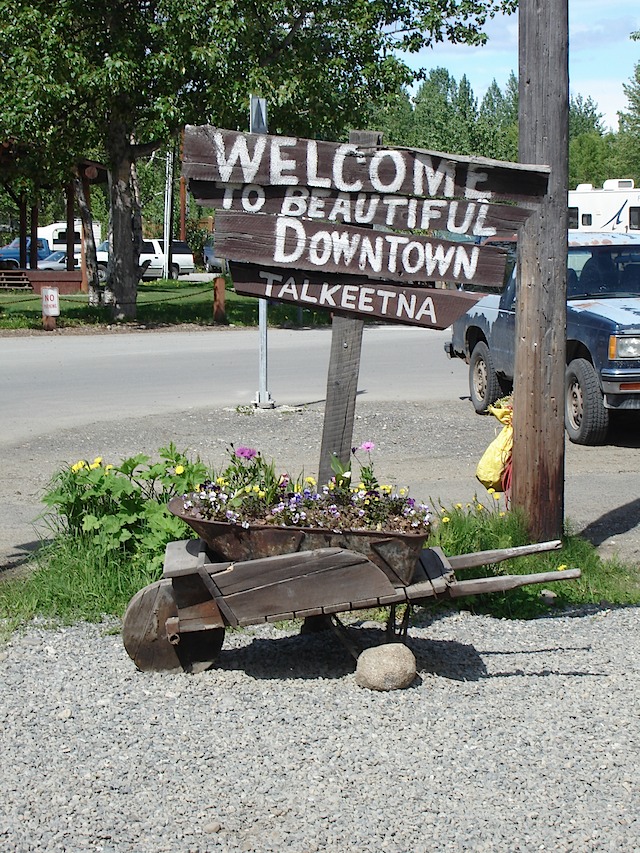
<point x="102" y="273"/>
<point x="585" y="417"/>
<point x="174" y="272"/>
<point x="484" y="386"/>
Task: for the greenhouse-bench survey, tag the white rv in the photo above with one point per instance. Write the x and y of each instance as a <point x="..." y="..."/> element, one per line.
<point x="614" y="207"/>
<point x="56" y="234"/>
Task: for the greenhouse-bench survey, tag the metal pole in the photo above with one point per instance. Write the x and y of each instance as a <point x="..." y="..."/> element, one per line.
<point x="168" y="202"/>
<point x="258" y="124"/>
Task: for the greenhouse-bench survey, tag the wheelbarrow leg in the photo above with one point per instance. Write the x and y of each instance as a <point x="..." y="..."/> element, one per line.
<point x="398" y="633"/>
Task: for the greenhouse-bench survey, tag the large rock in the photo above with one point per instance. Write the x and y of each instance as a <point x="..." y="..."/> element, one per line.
<point x="388" y="667"/>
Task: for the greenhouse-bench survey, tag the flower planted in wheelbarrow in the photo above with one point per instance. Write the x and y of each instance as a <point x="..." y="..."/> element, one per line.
<point x="250" y="492"/>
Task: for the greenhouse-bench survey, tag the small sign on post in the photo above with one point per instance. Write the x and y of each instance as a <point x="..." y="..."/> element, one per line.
<point x="50" y="307"/>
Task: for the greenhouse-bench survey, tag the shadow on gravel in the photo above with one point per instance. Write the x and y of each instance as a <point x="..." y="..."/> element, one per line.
<point x="613" y="523"/>
<point x="321" y="655"/>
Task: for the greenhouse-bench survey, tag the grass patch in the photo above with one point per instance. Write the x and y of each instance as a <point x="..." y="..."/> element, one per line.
<point x="160" y="303"/>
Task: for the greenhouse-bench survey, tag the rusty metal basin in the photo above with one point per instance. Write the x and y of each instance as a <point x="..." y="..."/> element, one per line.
<point x="395" y="553"/>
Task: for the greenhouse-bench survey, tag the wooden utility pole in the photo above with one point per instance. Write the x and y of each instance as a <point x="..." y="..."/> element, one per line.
<point x="344" y="368"/>
<point x="538" y="452"/>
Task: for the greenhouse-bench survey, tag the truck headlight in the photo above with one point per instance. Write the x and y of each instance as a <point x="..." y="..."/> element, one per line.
<point x="624" y="347"/>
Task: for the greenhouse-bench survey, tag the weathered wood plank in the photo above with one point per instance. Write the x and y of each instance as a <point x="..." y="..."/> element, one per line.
<point x="430" y="308"/>
<point x="482" y="558"/>
<point x="328" y="588"/>
<point x="473" y="218"/>
<point x="477" y="586"/>
<point x="304" y="244"/>
<point x="256" y="574"/>
<point x="226" y="156"/>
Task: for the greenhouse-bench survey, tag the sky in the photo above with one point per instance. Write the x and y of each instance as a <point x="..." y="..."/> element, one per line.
<point x="601" y="55"/>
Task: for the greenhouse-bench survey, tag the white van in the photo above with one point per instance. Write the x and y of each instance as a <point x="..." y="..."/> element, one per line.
<point x="56" y="234"/>
<point x="152" y="255"/>
<point x="613" y="207"/>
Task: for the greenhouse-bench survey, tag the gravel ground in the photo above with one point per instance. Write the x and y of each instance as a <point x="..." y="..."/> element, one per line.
<point x="515" y="737"/>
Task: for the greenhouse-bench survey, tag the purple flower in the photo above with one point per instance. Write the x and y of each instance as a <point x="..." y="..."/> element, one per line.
<point x="367" y="445"/>
<point x="246" y="453"/>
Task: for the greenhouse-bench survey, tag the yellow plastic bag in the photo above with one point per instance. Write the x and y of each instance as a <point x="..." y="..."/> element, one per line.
<point x="494" y="460"/>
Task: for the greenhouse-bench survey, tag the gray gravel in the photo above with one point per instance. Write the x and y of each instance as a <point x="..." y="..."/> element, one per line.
<point x="515" y="737"/>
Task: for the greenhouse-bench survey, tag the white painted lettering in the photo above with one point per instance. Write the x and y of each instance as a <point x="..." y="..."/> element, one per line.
<point x="349" y="296"/>
<point x="345" y="245"/>
<point x="305" y="296"/>
<point x="339" y="180"/>
<point x="239" y="153"/>
<point x="474" y="177"/>
<point x="386" y="295"/>
<point x="253" y="206"/>
<point x="294" y="202"/>
<point x="480" y="229"/>
<point x="371" y="254"/>
<point x="280" y="163"/>
<point x="280" y="254"/>
<point x="364" y="298"/>
<point x="417" y="250"/>
<point x="316" y="204"/>
<point x="289" y="288"/>
<point x="341" y="210"/>
<point x="453" y="226"/>
<point x="405" y="306"/>
<point x="427" y="310"/>
<point x="326" y="294"/>
<point x="227" y="198"/>
<point x="399" y="171"/>
<point x="431" y="210"/>
<point x="320" y="248"/>
<point x="465" y="263"/>
<point x="313" y="179"/>
<point x="392" y="204"/>
<point x="362" y="217"/>
<point x="271" y="279"/>
<point x="437" y="257"/>
<point x="444" y="174"/>
<point x="411" y="213"/>
<point x="394" y="240"/>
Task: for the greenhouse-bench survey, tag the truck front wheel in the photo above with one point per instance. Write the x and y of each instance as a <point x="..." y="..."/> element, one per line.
<point x="585" y="417"/>
<point x="484" y="386"/>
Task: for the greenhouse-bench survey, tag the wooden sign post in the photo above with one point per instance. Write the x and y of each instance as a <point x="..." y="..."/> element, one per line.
<point x="538" y="421"/>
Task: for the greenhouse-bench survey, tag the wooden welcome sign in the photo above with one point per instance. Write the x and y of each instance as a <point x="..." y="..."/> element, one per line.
<point x="350" y="228"/>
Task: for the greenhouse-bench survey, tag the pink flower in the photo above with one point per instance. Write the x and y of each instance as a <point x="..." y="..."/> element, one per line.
<point x="367" y="445"/>
<point x="246" y="452"/>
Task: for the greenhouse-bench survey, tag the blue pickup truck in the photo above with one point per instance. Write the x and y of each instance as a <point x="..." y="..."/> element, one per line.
<point x="603" y="336"/>
<point x="10" y="255"/>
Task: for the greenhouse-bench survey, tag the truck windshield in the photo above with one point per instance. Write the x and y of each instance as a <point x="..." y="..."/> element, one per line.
<point x="603" y="271"/>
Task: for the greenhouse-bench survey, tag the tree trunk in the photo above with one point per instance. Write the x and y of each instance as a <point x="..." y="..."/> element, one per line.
<point x="90" y="259"/>
<point x="122" y="275"/>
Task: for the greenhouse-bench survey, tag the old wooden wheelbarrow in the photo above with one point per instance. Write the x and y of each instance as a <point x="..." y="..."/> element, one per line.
<point x="232" y="577"/>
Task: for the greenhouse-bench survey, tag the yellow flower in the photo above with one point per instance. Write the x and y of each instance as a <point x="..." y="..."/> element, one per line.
<point x="262" y="494"/>
<point x="220" y="481"/>
<point x="310" y="481"/>
<point x="386" y="490"/>
<point x="94" y="465"/>
<point x="80" y="464"/>
<point x="502" y="514"/>
<point x="179" y="469"/>
<point x="491" y="490"/>
<point x="108" y="467"/>
<point x="496" y="496"/>
<point x="402" y="492"/>
<point x="361" y="486"/>
<point x="247" y="489"/>
<point x="562" y="567"/>
<point x="256" y="489"/>
<point x="458" y="506"/>
<point x="97" y="461"/>
<point x="445" y="519"/>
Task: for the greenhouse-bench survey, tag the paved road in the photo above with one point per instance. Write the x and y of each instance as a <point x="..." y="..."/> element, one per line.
<point x="64" y="397"/>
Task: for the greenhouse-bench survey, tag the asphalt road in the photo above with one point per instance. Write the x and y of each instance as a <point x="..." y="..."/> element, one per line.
<point x="69" y="396"/>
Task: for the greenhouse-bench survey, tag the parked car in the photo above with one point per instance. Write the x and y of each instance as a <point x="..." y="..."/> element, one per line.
<point x="211" y="262"/>
<point x="153" y="251"/>
<point x="603" y="335"/>
<point x="58" y="261"/>
<point x="10" y="254"/>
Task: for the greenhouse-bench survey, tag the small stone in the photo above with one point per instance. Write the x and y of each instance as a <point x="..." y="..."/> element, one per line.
<point x="64" y="715"/>
<point x="388" y="667"/>
<point x="548" y="596"/>
<point x="213" y="827"/>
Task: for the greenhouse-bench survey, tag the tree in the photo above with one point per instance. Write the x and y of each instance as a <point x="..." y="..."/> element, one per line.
<point x="584" y="117"/>
<point x="129" y="75"/>
<point x="628" y="147"/>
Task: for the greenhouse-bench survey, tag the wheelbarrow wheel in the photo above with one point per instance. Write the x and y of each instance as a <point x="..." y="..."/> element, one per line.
<point x="145" y="637"/>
